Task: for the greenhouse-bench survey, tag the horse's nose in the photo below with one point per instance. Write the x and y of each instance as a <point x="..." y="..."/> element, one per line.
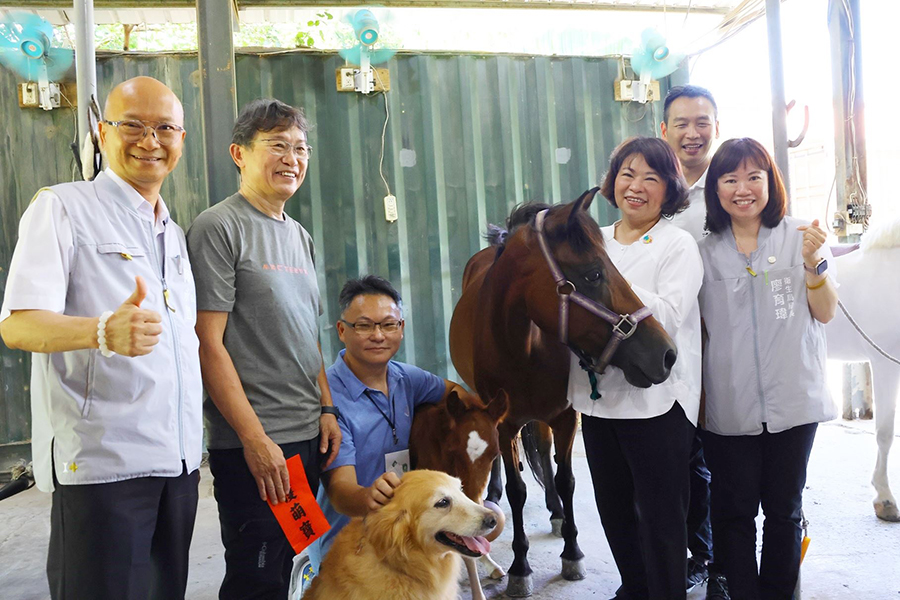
<point x="489" y="521"/>
<point x="669" y="359"/>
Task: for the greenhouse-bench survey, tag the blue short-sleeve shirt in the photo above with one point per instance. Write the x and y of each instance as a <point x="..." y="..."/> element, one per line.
<point x="367" y="436"/>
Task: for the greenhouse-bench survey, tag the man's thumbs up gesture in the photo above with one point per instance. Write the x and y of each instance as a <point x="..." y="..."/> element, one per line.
<point x="132" y="330"/>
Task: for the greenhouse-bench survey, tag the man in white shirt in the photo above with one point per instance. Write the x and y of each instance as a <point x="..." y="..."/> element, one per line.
<point x="690" y="124"/>
<point x="115" y="386"/>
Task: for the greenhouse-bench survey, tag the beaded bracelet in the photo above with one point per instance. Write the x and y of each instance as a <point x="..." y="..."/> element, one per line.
<point x="101" y="334"/>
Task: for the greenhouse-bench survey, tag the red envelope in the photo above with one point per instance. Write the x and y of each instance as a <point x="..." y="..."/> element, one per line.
<point x="300" y="517"/>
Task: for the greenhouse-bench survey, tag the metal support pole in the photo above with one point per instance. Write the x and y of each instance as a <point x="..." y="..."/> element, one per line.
<point x="850" y="165"/>
<point x="847" y="94"/>
<point x="776" y="77"/>
<point x="85" y="65"/>
<point x="217" y="95"/>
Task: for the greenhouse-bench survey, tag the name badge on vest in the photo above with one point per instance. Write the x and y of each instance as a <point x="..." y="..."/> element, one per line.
<point x="398" y="462"/>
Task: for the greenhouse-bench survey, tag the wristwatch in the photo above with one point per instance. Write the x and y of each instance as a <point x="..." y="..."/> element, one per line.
<point x="820" y="267"/>
<point x="331" y="410"/>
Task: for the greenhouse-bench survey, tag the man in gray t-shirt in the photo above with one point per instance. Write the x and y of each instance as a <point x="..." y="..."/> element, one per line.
<point x="258" y="304"/>
<point x="262" y="272"/>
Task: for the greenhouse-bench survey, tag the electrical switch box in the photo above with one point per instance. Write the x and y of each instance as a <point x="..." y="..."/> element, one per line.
<point x="623" y="90"/>
<point x="349" y="79"/>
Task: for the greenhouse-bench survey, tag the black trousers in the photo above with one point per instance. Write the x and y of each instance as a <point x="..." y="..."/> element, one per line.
<point x="698" y="524"/>
<point x="126" y="540"/>
<point x="749" y="470"/>
<point x="258" y="556"/>
<point x="639" y="469"/>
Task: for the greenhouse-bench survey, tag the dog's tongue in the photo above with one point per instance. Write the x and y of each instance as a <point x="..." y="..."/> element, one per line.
<point x="477" y="544"/>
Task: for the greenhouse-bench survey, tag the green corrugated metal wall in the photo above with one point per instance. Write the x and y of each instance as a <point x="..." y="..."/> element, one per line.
<point x="468" y="138"/>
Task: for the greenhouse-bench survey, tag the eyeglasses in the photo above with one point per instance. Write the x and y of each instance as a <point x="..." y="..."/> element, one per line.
<point x="276" y="148"/>
<point x="133" y="131"/>
<point x="367" y="327"/>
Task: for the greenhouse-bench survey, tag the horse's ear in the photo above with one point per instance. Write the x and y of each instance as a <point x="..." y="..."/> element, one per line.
<point x="584" y="201"/>
<point x="498" y="407"/>
<point x="455" y="406"/>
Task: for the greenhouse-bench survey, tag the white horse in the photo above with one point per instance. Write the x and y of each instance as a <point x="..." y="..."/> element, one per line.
<point x="870" y="290"/>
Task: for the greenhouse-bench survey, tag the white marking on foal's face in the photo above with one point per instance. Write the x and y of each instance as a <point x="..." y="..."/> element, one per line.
<point x="476" y="446"/>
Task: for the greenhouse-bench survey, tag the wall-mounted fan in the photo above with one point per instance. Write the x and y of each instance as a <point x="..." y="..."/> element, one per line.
<point x="652" y="60"/>
<point x="25" y="49"/>
<point x="367" y="33"/>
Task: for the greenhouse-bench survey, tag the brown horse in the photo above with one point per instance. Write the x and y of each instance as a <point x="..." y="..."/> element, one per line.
<point x="506" y="334"/>
<point x="461" y="439"/>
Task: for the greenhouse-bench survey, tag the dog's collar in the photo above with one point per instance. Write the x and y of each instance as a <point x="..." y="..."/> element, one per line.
<point x="362" y="538"/>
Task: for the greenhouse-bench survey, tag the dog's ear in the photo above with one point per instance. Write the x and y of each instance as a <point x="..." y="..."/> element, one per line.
<point x="389" y="530"/>
<point x="498" y="407"/>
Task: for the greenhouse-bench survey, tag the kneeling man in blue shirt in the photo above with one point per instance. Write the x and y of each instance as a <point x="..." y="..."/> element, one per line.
<point x="376" y="397"/>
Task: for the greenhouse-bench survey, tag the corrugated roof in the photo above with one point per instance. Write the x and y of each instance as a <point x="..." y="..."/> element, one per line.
<point x="59" y="12"/>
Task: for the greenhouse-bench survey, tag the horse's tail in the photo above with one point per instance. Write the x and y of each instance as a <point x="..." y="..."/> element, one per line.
<point x="532" y="451"/>
<point x="496" y="235"/>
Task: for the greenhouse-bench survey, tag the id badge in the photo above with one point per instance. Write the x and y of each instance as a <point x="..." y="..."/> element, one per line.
<point x="398" y="462"/>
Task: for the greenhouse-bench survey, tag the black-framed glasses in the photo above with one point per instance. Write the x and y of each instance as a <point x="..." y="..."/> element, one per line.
<point x="281" y="148"/>
<point x="133" y="131"/>
<point x="367" y="327"/>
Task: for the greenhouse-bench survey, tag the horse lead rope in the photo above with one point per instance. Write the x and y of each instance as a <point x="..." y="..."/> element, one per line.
<point x="623" y="326"/>
<point x="863" y="334"/>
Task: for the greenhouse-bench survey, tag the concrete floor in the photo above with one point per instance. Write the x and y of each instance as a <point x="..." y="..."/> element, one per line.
<point x="853" y="555"/>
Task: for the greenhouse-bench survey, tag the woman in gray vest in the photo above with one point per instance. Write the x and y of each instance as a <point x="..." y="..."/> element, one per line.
<point x="767" y="293"/>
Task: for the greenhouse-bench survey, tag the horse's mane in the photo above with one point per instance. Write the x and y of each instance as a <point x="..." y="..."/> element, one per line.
<point x="581" y="231"/>
<point x="882" y="235"/>
<point x="522" y="214"/>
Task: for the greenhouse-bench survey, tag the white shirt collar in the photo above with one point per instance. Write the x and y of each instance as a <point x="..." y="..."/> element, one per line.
<point x="700" y="183"/>
<point x="139" y="203"/>
<point x="609" y="233"/>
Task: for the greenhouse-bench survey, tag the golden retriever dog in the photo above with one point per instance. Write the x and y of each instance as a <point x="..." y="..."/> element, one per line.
<point x="409" y="549"/>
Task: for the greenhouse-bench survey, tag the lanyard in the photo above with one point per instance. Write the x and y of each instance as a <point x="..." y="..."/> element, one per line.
<point x="391" y="423"/>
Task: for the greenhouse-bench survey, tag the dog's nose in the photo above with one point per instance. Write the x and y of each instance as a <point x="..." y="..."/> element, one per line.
<point x="489" y="522"/>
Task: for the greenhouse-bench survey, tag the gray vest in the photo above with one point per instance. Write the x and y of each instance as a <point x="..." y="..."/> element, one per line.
<point x="764" y="360"/>
<point x="117" y="418"/>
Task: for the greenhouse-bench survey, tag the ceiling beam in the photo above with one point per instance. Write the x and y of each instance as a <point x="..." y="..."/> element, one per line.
<point x="244" y="4"/>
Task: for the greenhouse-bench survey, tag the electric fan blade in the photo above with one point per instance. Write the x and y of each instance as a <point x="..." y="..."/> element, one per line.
<point x="382" y="55"/>
<point x="365" y="26"/>
<point x="58" y="61"/>
<point x="19" y="63"/>
<point x="652" y="39"/>
<point x="643" y="61"/>
<point x="25" y="24"/>
<point x="352" y="55"/>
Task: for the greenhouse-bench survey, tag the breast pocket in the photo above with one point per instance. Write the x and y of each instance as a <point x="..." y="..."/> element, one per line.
<point x="180" y="278"/>
<point x="118" y="251"/>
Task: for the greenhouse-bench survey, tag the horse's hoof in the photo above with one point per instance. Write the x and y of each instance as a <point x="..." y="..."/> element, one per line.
<point x="556" y="527"/>
<point x="519" y="586"/>
<point x="887" y="511"/>
<point x="573" y="570"/>
<point x="496" y="571"/>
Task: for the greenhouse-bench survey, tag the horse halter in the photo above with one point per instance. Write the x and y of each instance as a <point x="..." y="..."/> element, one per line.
<point x="623" y="326"/>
